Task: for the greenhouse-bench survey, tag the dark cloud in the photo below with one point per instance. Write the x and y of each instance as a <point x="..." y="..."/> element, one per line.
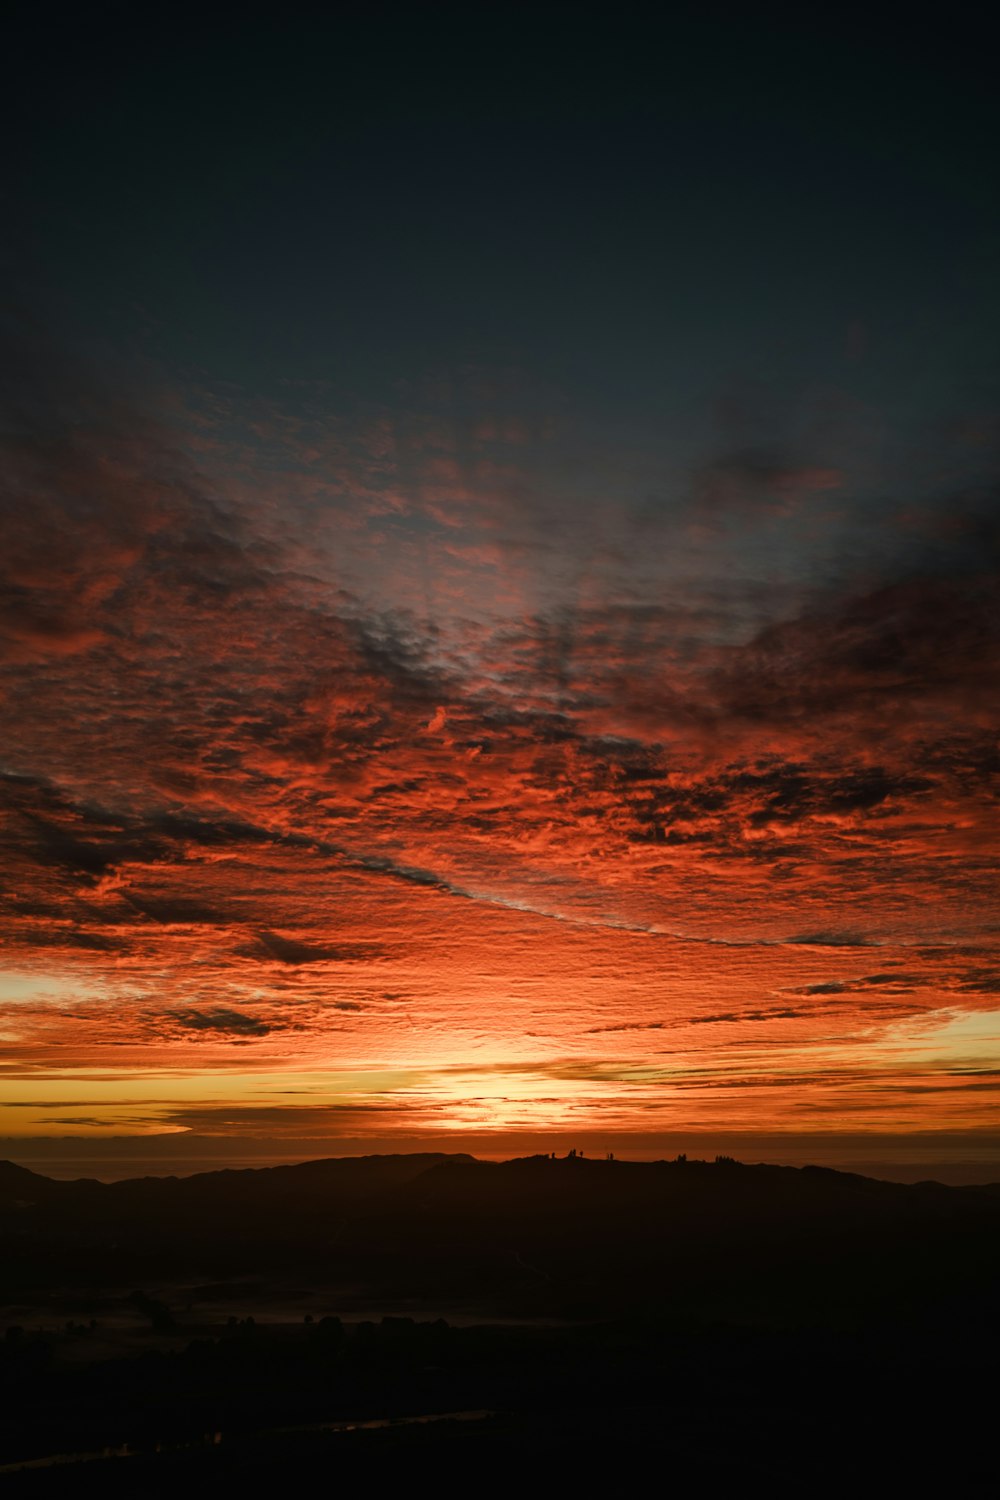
<point x="221" y="1019"/>
<point x="830" y="939"/>
<point x="289" y="951"/>
<point x="762" y="482"/>
<point x="770" y="1013"/>
<point x="181" y="911"/>
<point x="70" y="937"/>
<point x="89" y="1120"/>
<point x="904" y="644"/>
<point x="626" y="1026"/>
<point x="296" y="1120"/>
<point x="983" y="982"/>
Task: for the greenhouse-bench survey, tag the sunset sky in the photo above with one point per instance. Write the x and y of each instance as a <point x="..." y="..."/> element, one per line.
<point x="498" y="589"/>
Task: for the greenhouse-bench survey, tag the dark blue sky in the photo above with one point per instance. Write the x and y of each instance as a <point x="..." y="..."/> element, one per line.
<point x="638" y="206"/>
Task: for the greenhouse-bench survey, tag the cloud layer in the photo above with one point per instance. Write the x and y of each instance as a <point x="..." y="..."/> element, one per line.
<point x="451" y="767"/>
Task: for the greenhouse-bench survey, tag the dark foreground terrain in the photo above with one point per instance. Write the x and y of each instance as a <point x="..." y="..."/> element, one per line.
<point x="354" y="1319"/>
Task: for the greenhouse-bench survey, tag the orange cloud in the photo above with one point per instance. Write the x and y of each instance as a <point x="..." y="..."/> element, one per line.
<point x="290" y="799"/>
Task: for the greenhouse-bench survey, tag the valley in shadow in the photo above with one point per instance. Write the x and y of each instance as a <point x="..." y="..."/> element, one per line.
<point x="353" y="1317"/>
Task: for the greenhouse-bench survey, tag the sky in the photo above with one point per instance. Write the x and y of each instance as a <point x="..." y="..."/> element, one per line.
<point x="498" y="587"/>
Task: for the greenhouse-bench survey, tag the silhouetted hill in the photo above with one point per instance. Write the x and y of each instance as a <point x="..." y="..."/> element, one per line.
<point x="694" y="1311"/>
<point x="240" y="1218"/>
<point x="336" y="1178"/>
<point x="535" y="1235"/>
